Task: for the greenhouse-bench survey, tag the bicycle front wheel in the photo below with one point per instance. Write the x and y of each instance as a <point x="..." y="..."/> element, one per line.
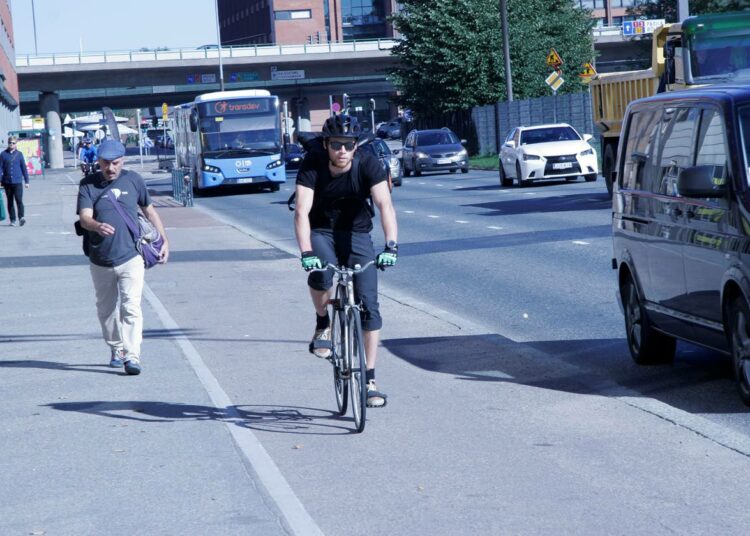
<point x="357" y="379"/>
<point x="338" y="357"/>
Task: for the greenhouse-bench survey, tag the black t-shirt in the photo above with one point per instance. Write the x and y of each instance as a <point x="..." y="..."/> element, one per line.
<point x="131" y="192"/>
<point x="336" y="204"/>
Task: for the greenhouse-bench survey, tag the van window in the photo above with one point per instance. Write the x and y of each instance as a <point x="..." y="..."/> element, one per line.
<point x="642" y="137"/>
<point x="745" y="128"/>
<point x="676" y="149"/>
<point x="712" y="148"/>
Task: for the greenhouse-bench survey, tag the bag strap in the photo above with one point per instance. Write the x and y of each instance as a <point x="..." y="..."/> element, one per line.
<point x="124" y="215"/>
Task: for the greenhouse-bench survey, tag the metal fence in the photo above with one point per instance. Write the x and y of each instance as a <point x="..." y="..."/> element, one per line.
<point x="182" y="186"/>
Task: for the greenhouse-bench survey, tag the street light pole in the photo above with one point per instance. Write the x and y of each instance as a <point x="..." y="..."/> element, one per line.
<point x="506" y="49"/>
<point x="218" y="40"/>
<point x="33" y="19"/>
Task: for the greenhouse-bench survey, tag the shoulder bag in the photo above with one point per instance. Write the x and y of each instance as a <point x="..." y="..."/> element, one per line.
<point x="148" y="240"/>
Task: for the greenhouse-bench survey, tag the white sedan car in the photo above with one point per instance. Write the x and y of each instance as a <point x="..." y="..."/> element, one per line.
<point x="546" y="152"/>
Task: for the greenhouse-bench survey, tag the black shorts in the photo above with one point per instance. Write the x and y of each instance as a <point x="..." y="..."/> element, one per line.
<point x="348" y="248"/>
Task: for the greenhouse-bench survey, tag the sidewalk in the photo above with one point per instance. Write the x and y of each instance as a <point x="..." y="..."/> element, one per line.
<point x="162" y="461"/>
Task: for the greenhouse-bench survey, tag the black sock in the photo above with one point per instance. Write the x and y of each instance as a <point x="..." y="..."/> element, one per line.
<point x="369" y="375"/>
<point x="322" y="322"/>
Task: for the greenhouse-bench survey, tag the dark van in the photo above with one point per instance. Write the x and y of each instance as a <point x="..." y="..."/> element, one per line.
<point x="681" y="225"/>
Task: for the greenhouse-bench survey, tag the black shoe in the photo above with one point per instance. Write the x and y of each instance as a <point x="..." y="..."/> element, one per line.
<point x="22" y="222"/>
<point x="132" y="366"/>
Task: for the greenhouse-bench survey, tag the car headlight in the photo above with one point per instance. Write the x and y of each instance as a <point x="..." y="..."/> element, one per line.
<point x="421" y="155"/>
<point x="462" y="153"/>
<point x="587" y="152"/>
<point x="211" y="169"/>
<point x="531" y="157"/>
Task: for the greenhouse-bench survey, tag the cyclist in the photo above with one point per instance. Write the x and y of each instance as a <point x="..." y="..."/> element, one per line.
<point x="88" y="157"/>
<point x="332" y="222"/>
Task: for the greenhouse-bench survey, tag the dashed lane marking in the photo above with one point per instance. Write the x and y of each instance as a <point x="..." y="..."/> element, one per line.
<point x="461" y="221"/>
<point x="494" y="228"/>
<point x="409" y="211"/>
<point x="433" y="216"/>
<point x="581" y="242"/>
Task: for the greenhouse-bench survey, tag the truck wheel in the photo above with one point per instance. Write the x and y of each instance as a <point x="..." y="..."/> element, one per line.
<point x="608" y="166"/>
<point x="647" y="346"/>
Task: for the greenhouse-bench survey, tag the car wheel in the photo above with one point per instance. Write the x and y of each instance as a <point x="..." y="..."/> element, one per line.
<point x="608" y="166"/>
<point x="519" y="181"/>
<point x="464" y="170"/>
<point x="453" y="170"/>
<point x="739" y="338"/>
<point x="591" y="177"/>
<point x="647" y="346"/>
<point x="406" y="170"/>
<point x="417" y="171"/>
<point x="504" y="180"/>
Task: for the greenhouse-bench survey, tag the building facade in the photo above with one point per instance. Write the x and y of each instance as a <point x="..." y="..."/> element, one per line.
<point x="289" y="22"/>
<point x="9" y="99"/>
<point x="609" y="12"/>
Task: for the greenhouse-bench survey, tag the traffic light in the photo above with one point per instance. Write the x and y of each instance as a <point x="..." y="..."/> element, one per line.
<point x="154" y="121"/>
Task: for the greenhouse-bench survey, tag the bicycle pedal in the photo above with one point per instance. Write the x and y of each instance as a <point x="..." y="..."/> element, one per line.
<point x="322" y="345"/>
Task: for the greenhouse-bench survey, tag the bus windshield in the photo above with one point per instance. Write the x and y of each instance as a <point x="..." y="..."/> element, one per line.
<point x="719" y="46"/>
<point x="246" y="127"/>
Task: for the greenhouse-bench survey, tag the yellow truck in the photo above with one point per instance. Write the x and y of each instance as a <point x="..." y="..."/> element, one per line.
<point x="701" y="50"/>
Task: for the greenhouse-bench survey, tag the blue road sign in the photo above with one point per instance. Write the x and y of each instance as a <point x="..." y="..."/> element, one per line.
<point x="627" y="28"/>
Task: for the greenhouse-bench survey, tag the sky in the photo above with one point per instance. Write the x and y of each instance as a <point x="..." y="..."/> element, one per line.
<point x="99" y="25"/>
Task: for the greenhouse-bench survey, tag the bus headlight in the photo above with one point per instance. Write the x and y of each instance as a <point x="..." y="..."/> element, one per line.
<point x="211" y="169"/>
<point x="274" y="165"/>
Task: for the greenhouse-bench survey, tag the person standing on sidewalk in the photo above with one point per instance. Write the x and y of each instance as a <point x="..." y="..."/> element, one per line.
<point x="15" y="178"/>
<point x="117" y="268"/>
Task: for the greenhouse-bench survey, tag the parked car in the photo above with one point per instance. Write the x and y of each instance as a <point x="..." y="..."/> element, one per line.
<point x="681" y="225"/>
<point x="293" y="156"/>
<point x="433" y="150"/>
<point x="546" y="152"/>
<point x="391" y="163"/>
<point x="390" y="130"/>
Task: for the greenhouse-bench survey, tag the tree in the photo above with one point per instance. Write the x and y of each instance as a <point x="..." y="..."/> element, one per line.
<point x="667" y="9"/>
<point x="451" y="55"/>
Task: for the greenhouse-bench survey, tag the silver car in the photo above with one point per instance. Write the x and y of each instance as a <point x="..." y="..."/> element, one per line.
<point x="433" y="150"/>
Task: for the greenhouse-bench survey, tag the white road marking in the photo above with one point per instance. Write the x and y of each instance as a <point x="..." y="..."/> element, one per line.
<point x="422" y="183"/>
<point x="438" y="185"/>
<point x="494" y="227"/>
<point x="461" y="221"/>
<point x="433" y="216"/>
<point x="581" y="242"/>
<point x="268" y="473"/>
<point x="409" y="211"/>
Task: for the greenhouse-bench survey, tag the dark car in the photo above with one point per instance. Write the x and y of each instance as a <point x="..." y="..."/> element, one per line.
<point x="681" y="225"/>
<point x="293" y="156"/>
<point x="390" y="130"/>
<point x="433" y="150"/>
<point x="391" y="163"/>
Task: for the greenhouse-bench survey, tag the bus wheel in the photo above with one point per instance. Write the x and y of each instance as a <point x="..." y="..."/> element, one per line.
<point x="275" y="187"/>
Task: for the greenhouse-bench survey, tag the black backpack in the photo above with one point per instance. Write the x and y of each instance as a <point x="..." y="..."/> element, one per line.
<point x="312" y="143"/>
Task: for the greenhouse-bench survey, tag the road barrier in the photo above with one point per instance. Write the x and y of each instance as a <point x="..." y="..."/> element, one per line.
<point x="182" y="186"/>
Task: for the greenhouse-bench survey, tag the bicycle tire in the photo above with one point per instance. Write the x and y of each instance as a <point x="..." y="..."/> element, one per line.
<point x="357" y="372"/>
<point x="338" y="355"/>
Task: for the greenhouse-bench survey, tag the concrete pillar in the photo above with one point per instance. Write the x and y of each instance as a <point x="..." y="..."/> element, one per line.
<point x="49" y="106"/>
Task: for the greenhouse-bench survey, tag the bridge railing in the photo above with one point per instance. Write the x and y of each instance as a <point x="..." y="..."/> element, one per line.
<point x="32" y="60"/>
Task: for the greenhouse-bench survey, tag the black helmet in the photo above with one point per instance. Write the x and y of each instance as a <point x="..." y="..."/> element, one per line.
<point x="342" y="126"/>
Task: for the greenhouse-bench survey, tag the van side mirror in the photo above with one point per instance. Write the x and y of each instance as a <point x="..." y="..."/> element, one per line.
<point x="699" y="181"/>
<point x="194" y="120"/>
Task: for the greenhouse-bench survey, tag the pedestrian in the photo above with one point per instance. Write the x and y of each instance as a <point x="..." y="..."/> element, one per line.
<point x="147" y="145"/>
<point x="15" y="179"/>
<point x="333" y="224"/>
<point x="117" y="269"/>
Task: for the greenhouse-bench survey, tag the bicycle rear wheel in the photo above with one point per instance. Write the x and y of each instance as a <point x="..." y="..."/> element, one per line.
<point x="338" y="357"/>
<point x="357" y="380"/>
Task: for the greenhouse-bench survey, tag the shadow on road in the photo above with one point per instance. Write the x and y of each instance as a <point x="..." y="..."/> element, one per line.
<point x="699" y="380"/>
<point x="531" y="205"/>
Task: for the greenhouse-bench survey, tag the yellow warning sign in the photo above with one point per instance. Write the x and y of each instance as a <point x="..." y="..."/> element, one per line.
<point x="588" y="73"/>
<point x="553" y="59"/>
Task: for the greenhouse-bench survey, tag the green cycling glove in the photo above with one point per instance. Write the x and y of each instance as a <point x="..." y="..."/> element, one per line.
<point x="310" y="261"/>
<point x="388" y="257"/>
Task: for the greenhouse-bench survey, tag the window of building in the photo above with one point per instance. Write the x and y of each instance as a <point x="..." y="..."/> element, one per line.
<point x="293" y="15"/>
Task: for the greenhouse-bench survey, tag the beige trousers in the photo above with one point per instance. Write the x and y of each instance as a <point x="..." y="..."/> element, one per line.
<point x="118" y="304"/>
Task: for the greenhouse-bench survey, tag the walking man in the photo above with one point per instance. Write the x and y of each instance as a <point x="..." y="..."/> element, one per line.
<point x="117" y="268"/>
<point x="15" y="178"/>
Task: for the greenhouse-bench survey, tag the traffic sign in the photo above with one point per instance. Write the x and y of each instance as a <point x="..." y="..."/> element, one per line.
<point x="588" y="73"/>
<point x="554" y="81"/>
<point x="553" y="59"/>
<point x="164" y="111"/>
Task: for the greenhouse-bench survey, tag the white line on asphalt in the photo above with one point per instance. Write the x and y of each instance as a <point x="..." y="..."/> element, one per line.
<point x="422" y="183"/>
<point x="438" y="184"/>
<point x="461" y="221"/>
<point x="494" y="227"/>
<point x="409" y="211"/>
<point x="581" y="242"/>
<point x="295" y="514"/>
<point x="433" y="216"/>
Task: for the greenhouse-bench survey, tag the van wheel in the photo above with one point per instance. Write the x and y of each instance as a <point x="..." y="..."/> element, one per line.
<point x="608" y="166"/>
<point x="739" y="338"/>
<point x="647" y="346"/>
<point x="504" y="180"/>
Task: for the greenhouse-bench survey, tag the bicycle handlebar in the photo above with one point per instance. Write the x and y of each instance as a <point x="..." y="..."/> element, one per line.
<point x="357" y="269"/>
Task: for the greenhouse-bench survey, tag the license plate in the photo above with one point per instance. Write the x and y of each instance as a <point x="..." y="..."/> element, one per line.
<point x="244" y="181"/>
<point x="444" y="161"/>
<point x="562" y="165"/>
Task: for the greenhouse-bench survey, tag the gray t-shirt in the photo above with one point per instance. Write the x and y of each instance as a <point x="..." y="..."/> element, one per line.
<point x="131" y="192"/>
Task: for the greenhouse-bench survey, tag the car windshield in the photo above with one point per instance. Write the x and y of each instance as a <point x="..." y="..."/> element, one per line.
<point x="545" y="135"/>
<point x="744" y="114"/>
<point x="437" y="138"/>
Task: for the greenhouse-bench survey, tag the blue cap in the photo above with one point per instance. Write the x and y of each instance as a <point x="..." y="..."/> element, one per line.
<point x="111" y="150"/>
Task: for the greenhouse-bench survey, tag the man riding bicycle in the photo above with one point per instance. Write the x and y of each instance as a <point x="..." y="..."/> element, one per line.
<point x="88" y="157"/>
<point x="332" y="222"/>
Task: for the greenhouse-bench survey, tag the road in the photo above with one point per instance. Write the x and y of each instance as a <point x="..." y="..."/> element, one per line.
<point x="526" y="414"/>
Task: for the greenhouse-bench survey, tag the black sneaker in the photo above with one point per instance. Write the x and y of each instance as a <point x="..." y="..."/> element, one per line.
<point x="22" y="222"/>
<point x="132" y="366"/>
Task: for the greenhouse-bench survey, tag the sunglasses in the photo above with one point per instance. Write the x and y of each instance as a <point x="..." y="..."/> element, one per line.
<point x="337" y="145"/>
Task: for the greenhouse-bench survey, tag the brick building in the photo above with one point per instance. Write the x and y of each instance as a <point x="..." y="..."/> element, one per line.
<point x="287" y="22"/>
<point x="9" y="109"/>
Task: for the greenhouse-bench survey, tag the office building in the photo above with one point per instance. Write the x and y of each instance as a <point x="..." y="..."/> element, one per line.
<point x="286" y="22"/>
<point x="9" y="109"/>
<point x="609" y="12"/>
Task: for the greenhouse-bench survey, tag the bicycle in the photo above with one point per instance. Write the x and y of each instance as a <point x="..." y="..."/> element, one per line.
<point x="347" y="344"/>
